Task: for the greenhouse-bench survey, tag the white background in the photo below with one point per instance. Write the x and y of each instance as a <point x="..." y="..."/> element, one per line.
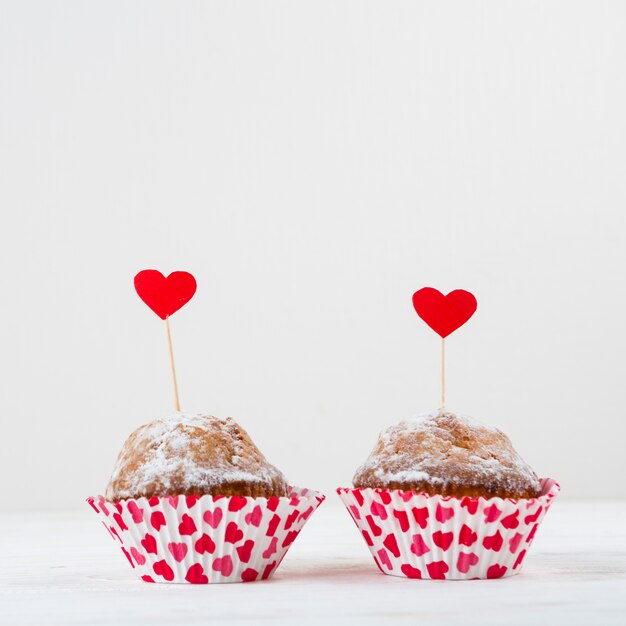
<point x="313" y="164"/>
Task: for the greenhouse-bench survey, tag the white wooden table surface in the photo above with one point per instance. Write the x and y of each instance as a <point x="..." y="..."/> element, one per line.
<point x="64" y="569"/>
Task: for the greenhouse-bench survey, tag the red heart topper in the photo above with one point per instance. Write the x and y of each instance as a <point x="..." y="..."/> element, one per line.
<point x="165" y="295"/>
<point x="444" y="314"/>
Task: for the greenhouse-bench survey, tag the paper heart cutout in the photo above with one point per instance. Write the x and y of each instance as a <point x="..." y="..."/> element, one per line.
<point x="165" y="295"/>
<point x="444" y="314"/>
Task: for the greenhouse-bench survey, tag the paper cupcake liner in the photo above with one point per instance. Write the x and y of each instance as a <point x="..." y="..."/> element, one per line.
<point x="421" y="536"/>
<point x="207" y="539"/>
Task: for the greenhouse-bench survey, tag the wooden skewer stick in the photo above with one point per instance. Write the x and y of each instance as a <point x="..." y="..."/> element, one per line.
<point x="442" y="376"/>
<point x="172" y="367"/>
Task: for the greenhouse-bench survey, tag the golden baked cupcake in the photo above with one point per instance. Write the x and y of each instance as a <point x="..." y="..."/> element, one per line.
<point x="450" y="455"/>
<point x="193" y="455"/>
<point x="443" y="496"/>
<point x="193" y="500"/>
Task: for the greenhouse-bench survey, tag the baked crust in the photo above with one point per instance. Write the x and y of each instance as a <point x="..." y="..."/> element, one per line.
<point x="193" y="455"/>
<point x="450" y="455"/>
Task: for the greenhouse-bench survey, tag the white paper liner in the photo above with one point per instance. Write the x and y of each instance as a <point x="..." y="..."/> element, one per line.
<point x="208" y="539"/>
<point x="424" y="536"/>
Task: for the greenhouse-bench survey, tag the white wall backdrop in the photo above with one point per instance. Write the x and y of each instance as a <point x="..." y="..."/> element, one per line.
<point x="313" y="164"/>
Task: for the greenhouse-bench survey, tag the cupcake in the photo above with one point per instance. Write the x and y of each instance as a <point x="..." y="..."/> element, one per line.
<point x="192" y="499"/>
<point x="444" y="496"/>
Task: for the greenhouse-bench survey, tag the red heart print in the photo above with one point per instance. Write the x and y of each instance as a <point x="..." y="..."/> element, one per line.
<point x="471" y="504"/>
<point x="177" y="550"/>
<point x="376" y="530"/>
<point x="289" y="538"/>
<point x="465" y="561"/>
<point x="196" y="576"/>
<point x="213" y="518"/>
<point x="384" y="495"/>
<point x="139" y="558"/>
<point x="271" y="548"/>
<point x="204" y="544"/>
<point x="519" y="559"/>
<point x="442" y="540"/>
<point x="493" y="542"/>
<point x="496" y="571"/>
<point x="444" y="314"/>
<point x="161" y="568"/>
<point x="157" y="519"/>
<point x="419" y="546"/>
<point x="223" y="565"/>
<point x="233" y="534"/>
<point x="147" y="579"/>
<point x="272" y="503"/>
<point x="267" y="572"/>
<point x="135" y="511"/>
<point x="491" y="513"/>
<point x="191" y="500"/>
<point x="273" y="525"/>
<point x="531" y="534"/>
<point x="128" y="557"/>
<point x="443" y="514"/>
<point x="244" y="551"/>
<point x="187" y="526"/>
<point x="254" y="518"/>
<point x="173" y="501"/>
<point x="368" y="539"/>
<point x="165" y="295"/>
<point x="467" y="536"/>
<point x="528" y="519"/>
<point x="154" y="500"/>
<point x="149" y="544"/>
<point x="291" y="518"/>
<point x="249" y="575"/>
<point x="421" y="516"/>
<point x="437" y="569"/>
<point x="510" y="521"/>
<point x="236" y="503"/>
<point x="410" y="572"/>
<point x="120" y="522"/>
<point x="403" y="520"/>
<point x="358" y="496"/>
<point x="391" y="544"/>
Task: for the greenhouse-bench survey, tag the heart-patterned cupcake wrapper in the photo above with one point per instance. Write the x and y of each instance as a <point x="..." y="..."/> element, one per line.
<point x="423" y="536"/>
<point x="207" y="539"/>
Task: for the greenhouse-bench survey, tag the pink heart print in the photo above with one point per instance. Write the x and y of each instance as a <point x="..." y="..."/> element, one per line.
<point x="177" y="550"/>
<point x="207" y="539"/>
<point x="213" y="518"/>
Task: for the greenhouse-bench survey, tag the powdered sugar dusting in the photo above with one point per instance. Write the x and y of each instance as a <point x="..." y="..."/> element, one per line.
<point x="441" y="449"/>
<point x="170" y="451"/>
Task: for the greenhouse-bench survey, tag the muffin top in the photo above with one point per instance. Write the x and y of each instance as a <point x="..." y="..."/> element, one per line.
<point x="450" y="455"/>
<point x="192" y="454"/>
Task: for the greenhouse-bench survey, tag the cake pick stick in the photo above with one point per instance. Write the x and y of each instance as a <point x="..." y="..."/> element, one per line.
<point x="442" y="376"/>
<point x="165" y="296"/>
<point x="444" y="314"/>
<point x="172" y="366"/>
